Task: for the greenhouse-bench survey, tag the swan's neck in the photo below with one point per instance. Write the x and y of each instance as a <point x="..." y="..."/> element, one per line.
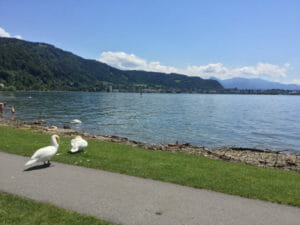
<point x="54" y="142"/>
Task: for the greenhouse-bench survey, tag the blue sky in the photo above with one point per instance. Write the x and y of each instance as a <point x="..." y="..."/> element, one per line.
<point x="200" y="38"/>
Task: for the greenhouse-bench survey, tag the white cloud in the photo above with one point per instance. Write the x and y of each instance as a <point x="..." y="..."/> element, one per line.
<point x="3" y="33"/>
<point x="263" y="69"/>
<point x="214" y="69"/>
<point x="126" y="61"/>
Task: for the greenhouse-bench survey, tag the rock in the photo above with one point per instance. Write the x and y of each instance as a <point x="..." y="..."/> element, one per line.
<point x="67" y="127"/>
<point x="38" y="122"/>
<point x="186" y="144"/>
<point x="52" y="128"/>
<point x="100" y="138"/>
<point x="291" y="160"/>
<point x="105" y="135"/>
<point x="174" y="144"/>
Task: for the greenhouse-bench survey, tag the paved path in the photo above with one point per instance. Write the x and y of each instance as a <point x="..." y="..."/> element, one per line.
<point x="129" y="200"/>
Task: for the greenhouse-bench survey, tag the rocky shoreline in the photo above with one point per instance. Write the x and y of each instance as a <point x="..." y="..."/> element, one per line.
<point x="256" y="157"/>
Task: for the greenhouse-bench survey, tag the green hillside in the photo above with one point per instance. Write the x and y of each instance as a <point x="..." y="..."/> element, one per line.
<point x="37" y="66"/>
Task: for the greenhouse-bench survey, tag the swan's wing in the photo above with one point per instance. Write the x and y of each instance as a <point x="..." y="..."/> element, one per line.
<point x="74" y="144"/>
<point x="43" y="152"/>
<point x="30" y="162"/>
<point x="78" y="144"/>
<point x="83" y="143"/>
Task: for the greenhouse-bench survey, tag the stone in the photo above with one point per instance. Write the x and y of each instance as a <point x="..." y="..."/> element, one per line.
<point x="67" y="127"/>
<point x="38" y="122"/>
<point x="52" y="128"/>
<point x="173" y="144"/>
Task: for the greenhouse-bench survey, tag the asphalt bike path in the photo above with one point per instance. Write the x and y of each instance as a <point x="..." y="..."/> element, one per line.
<point x="124" y="199"/>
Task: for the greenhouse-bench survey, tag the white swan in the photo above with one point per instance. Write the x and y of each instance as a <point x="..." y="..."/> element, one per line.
<point x="46" y="153"/>
<point x="76" y="121"/>
<point x="78" y="143"/>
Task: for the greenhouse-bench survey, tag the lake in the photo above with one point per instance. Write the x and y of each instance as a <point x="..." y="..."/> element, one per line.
<point x="256" y="121"/>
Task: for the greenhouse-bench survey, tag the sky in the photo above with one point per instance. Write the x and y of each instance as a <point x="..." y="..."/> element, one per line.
<point x="223" y="39"/>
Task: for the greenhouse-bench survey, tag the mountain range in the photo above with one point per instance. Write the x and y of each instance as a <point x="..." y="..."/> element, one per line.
<point x="27" y="65"/>
<point x="255" y="84"/>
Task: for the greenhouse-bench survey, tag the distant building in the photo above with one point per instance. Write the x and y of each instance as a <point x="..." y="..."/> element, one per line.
<point x="2" y="85"/>
<point x="110" y="88"/>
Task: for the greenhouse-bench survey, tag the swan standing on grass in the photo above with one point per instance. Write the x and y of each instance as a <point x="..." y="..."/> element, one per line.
<point x="46" y="153"/>
<point x="78" y="143"/>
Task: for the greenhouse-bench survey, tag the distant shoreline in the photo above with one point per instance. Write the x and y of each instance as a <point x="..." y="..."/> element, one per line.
<point x="257" y="157"/>
<point x="224" y="92"/>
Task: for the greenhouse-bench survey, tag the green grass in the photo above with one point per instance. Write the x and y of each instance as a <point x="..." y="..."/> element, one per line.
<point x="16" y="210"/>
<point x="248" y="181"/>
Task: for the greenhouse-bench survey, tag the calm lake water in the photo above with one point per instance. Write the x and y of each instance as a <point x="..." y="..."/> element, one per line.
<point x="256" y="121"/>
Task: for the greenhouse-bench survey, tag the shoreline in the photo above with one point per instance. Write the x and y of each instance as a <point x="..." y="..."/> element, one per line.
<point x="235" y="92"/>
<point x="256" y="157"/>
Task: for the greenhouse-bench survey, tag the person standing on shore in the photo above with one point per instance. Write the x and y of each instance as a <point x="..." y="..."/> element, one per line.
<point x="12" y="108"/>
<point x="1" y="107"/>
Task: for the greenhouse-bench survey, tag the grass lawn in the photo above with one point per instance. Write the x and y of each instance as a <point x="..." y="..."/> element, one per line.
<point x="16" y="210"/>
<point x="248" y="181"/>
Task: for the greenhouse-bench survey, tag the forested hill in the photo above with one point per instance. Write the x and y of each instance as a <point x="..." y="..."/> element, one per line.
<point x="37" y="66"/>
